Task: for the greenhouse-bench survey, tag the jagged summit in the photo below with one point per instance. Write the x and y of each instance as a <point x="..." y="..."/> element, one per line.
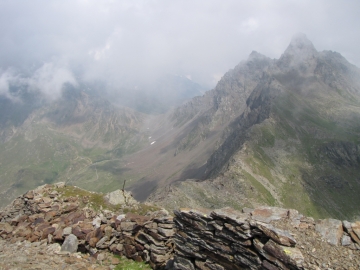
<point x="300" y="52"/>
<point x="255" y="55"/>
<point x="300" y="41"/>
<point x="301" y="45"/>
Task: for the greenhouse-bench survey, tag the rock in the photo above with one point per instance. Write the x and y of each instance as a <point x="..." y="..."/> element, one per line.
<point x="66" y="231"/>
<point x="347" y="226"/>
<point x="96" y="222"/>
<point x="355" y="226"/>
<point x="108" y="231"/>
<point x="60" y="185"/>
<point x="230" y="214"/>
<point x="331" y="230"/>
<point x="130" y="250"/>
<point x="67" y="208"/>
<point x="127" y="226"/>
<point x="279" y="236"/>
<point x="70" y="244"/>
<point x="120" y="197"/>
<point x="47" y="231"/>
<point x="354" y="237"/>
<point x="268" y="214"/>
<point x="101" y="257"/>
<point x="287" y="255"/>
<point x="166" y="232"/>
<point x="115" y="260"/>
<point x="29" y="195"/>
<point x="138" y="219"/>
<point x="120" y="217"/>
<point x="102" y="241"/>
<point x="156" y="258"/>
<point x="183" y="264"/>
<point x="5" y="227"/>
<point x="346" y="240"/>
<point x="267" y="265"/>
<point x="144" y="238"/>
<point x="201" y="239"/>
<point x="119" y="247"/>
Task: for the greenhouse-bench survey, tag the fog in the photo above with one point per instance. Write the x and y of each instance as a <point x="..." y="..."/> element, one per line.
<point x="128" y="43"/>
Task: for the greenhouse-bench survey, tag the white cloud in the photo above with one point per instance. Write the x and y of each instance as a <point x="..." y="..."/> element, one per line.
<point x="50" y="79"/>
<point x="249" y="25"/>
<point x="200" y="38"/>
<point x="5" y="79"/>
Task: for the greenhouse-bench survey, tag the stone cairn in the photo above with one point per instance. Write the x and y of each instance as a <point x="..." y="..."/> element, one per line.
<point x="39" y="215"/>
<point x="262" y="238"/>
<point x="227" y="239"/>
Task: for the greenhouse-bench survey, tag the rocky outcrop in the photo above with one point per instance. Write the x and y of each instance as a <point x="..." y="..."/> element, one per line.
<point x="42" y="215"/>
<point x="264" y="238"/>
<point x="122" y="197"/>
<point x="261" y="238"/>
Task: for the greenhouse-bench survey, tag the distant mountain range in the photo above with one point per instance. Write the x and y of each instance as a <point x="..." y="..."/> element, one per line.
<point x="282" y="132"/>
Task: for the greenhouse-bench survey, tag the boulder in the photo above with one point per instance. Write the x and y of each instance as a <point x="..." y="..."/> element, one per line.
<point x="279" y="236"/>
<point x="119" y="197"/>
<point x="70" y="244"/>
<point x="331" y="230"/>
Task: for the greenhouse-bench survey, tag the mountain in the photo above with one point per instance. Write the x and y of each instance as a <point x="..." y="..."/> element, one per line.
<point x="282" y="132"/>
<point x="75" y="138"/>
<point x="287" y="134"/>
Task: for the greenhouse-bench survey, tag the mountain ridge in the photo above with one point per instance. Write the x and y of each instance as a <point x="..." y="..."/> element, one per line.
<point x="282" y="132"/>
<point x="301" y="102"/>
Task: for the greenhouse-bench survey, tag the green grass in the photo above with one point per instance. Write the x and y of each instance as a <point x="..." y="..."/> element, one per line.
<point x="266" y="196"/>
<point x="127" y="264"/>
<point x="97" y="201"/>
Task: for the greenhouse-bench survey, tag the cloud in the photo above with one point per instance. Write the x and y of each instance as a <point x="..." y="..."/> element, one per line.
<point x="249" y="25"/>
<point x="130" y="42"/>
<point x="50" y="79"/>
<point x="5" y="79"/>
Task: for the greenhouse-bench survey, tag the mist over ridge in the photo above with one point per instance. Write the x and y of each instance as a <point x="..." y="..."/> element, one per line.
<point x="134" y="43"/>
<point x="115" y="93"/>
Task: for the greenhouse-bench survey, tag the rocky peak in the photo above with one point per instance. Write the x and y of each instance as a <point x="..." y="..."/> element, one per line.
<point x="299" y="53"/>
<point x="300" y="44"/>
<point x="254" y="55"/>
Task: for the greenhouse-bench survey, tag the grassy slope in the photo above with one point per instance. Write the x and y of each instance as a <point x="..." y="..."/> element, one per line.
<point x="285" y="151"/>
<point x="43" y="155"/>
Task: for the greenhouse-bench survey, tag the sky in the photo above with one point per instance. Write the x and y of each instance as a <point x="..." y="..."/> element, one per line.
<point x="46" y="43"/>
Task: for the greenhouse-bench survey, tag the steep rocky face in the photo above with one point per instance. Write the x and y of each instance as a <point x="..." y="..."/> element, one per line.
<point x="295" y="142"/>
<point x="182" y="141"/>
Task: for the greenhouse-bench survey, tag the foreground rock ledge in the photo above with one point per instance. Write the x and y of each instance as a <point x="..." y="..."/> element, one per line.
<point x="262" y="238"/>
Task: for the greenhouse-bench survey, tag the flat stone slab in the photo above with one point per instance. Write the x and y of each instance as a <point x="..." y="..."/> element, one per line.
<point x="331" y="230"/>
<point x="228" y="213"/>
<point x="268" y="214"/>
<point x="279" y="236"/>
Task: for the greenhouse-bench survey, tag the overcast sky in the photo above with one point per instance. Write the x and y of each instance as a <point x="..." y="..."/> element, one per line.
<point x="134" y="40"/>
